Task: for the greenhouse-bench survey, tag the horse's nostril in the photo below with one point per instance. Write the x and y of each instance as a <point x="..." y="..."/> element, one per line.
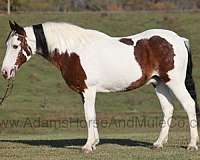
<point x="5" y="73"/>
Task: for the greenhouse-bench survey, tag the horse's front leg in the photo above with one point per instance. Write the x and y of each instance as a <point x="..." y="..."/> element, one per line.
<point x="89" y="96"/>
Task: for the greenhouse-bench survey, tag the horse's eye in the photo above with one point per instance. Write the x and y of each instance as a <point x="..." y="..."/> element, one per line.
<point x="15" y="46"/>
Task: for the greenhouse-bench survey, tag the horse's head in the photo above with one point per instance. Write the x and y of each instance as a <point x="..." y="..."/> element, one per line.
<point x="18" y="51"/>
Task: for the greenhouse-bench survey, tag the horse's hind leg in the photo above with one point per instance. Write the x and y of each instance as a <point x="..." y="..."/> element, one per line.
<point x="180" y="91"/>
<point x="165" y="99"/>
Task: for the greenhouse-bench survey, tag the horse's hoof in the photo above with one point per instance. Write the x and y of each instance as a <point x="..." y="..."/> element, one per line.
<point x="87" y="150"/>
<point x="192" y="148"/>
<point x="95" y="143"/>
<point x="94" y="147"/>
<point x="157" y="146"/>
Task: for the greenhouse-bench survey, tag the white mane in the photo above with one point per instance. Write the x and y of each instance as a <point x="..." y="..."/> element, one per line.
<point x="67" y="36"/>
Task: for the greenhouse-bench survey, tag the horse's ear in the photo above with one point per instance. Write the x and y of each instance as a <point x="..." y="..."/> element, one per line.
<point x="16" y="24"/>
<point x="12" y="26"/>
<point x="18" y="29"/>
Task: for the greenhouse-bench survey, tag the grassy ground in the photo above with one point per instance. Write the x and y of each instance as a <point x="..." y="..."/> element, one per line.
<point x="40" y="96"/>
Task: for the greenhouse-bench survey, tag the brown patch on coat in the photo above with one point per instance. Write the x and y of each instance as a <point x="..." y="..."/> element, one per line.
<point x="21" y="59"/>
<point x="71" y="69"/>
<point x="154" y="54"/>
<point x="24" y="45"/>
<point x="127" y="41"/>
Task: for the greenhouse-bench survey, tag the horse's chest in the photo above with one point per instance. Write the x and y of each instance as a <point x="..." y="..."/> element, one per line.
<point x="71" y="69"/>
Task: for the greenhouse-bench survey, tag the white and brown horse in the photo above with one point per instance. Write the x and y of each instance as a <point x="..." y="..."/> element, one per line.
<point x="91" y="61"/>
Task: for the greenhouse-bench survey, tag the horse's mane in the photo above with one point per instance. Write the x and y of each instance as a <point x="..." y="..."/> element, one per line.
<point x="73" y="30"/>
<point x="70" y="35"/>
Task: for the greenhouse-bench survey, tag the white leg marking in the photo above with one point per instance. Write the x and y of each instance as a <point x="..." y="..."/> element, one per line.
<point x="188" y="104"/>
<point x="165" y="98"/>
<point x="89" y="106"/>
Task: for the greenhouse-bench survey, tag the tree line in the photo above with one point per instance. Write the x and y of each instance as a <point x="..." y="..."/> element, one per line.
<point x="99" y="5"/>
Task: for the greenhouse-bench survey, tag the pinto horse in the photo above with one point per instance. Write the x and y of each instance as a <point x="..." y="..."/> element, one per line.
<point x="91" y="61"/>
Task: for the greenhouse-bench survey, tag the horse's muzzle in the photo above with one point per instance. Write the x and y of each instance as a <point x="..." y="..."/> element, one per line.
<point x="4" y="73"/>
<point x="7" y="74"/>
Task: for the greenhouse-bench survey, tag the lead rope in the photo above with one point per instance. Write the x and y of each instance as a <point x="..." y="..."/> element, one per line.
<point x="8" y="91"/>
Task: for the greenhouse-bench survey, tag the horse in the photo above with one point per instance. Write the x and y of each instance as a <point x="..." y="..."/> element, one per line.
<point x="91" y="61"/>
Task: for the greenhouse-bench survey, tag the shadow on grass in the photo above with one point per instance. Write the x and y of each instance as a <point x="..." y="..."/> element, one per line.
<point x="80" y="142"/>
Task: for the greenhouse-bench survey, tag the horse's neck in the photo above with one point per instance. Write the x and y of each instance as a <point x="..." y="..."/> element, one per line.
<point x="67" y="37"/>
<point x="31" y="38"/>
<point x="64" y="37"/>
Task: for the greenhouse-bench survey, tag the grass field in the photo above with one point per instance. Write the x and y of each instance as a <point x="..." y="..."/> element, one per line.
<point x="40" y="96"/>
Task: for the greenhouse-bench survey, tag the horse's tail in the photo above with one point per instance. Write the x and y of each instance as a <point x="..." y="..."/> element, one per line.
<point x="189" y="82"/>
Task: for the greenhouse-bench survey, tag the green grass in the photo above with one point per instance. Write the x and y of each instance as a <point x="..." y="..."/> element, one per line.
<point x="40" y="91"/>
<point x="113" y="146"/>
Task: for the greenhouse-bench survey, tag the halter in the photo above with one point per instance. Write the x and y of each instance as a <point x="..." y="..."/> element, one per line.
<point x="9" y="86"/>
<point x="8" y="91"/>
